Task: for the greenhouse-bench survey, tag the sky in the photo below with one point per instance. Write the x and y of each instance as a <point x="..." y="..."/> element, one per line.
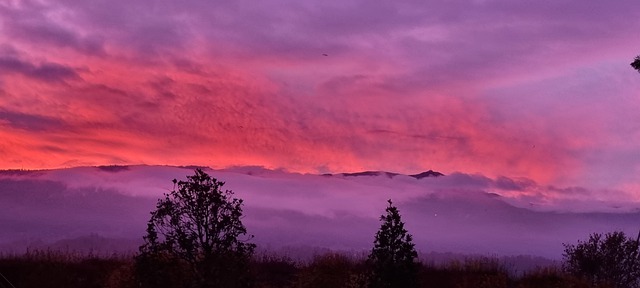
<point x="533" y="90"/>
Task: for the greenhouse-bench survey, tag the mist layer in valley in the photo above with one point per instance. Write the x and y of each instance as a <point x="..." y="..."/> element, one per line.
<point x="106" y="209"/>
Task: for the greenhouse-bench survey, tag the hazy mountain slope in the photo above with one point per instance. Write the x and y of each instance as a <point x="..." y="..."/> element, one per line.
<point x="458" y="213"/>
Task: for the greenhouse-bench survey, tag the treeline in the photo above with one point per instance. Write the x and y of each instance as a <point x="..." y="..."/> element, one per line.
<point x="41" y="269"/>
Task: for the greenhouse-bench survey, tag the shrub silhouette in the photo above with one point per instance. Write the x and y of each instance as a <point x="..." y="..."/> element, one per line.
<point x="551" y="277"/>
<point x="393" y="257"/>
<point x="612" y="260"/>
<point x="193" y="238"/>
<point x="47" y="268"/>
<point x="470" y="273"/>
<point x="272" y="271"/>
<point x="329" y="270"/>
<point x="636" y="63"/>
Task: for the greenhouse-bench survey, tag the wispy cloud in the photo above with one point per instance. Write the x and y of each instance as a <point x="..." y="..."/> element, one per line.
<point x="30" y="122"/>
<point x="47" y="72"/>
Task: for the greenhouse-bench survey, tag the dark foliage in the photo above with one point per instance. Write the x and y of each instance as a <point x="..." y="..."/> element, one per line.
<point x="332" y="270"/>
<point x="476" y="273"/>
<point x="551" y="277"/>
<point x="610" y="260"/>
<point x="393" y="257"/>
<point x="636" y="63"/>
<point x="193" y="238"/>
<point x="57" y="269"/>
<point x="163" y="270"/>
<point x="274" y="272"/>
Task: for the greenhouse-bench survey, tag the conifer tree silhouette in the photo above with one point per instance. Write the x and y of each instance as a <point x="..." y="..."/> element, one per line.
<point x="393" y="257"/>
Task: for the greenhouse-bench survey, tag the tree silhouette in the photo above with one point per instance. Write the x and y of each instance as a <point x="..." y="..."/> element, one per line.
<point x="393" y="257"/>
<point x="636" y="63"/>
<point x="612" y="260"/>
<point x="198" y="227"/>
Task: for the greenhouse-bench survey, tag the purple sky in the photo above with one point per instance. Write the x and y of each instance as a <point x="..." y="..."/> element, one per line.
<point x="538" y="90"/>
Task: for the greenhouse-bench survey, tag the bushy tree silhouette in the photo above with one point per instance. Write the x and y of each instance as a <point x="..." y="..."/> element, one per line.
<point x="613" y="260"/>
<point x="636" y="63"/>
<point x="393" y="257"/>
<point x="196" y="227"/>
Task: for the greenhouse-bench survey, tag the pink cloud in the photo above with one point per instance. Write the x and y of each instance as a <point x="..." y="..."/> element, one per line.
<point x="539" y="91"/>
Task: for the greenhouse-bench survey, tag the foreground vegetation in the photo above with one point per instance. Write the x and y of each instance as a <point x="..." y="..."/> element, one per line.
<point x="58" y="269"/>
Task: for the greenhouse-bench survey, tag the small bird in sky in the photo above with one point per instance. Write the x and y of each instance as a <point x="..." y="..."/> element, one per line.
<point x="324" y="54"/>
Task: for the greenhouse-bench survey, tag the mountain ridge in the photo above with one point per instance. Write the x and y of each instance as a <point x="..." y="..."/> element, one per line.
<point x="247" y="169"/>
<point x="425" y="174"/>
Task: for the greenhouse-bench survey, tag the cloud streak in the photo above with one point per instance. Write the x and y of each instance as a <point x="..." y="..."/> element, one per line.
<point x="47" y="72"/>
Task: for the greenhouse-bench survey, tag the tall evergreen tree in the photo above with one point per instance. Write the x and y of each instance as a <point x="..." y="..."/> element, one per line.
<point x="393" y="257"/>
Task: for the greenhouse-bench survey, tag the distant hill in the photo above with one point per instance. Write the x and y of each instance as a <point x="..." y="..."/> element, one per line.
<point x="89" y="244"/>
<point x="425" y="174"/>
